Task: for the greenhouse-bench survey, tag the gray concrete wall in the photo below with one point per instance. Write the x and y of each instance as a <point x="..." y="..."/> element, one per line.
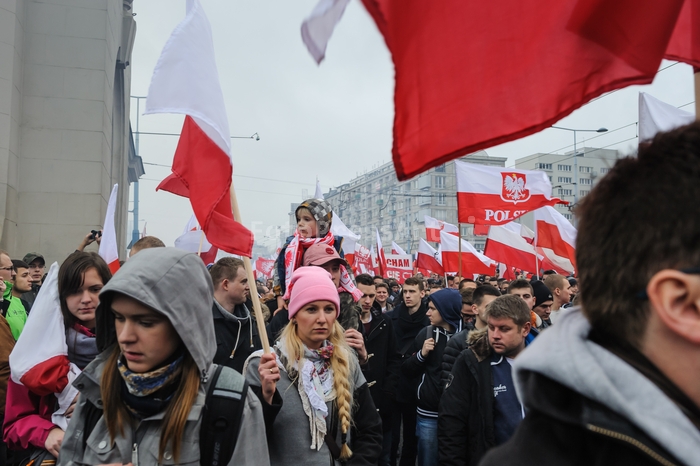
<point x="67" y="149"/>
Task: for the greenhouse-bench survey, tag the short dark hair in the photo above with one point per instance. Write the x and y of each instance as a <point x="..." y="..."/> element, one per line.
<point x="365" y="279"/>
<point x="413" y="281"/>
<point x="548" y="272"/>
<point x="147" y="242"/>
<point x="519" y="284"/>
<point x="465" y="280"/>
<point x="378" y="276"/>
<point x="225" y="268"/>
<point x="615" y="228"/>
<point x="18" y="264"/>
<point x="484" y="290"/>
<point x="71" y="275"/>
<point x="511" y="307"/>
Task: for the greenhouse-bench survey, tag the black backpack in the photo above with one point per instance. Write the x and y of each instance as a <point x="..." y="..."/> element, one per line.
<point x="221" y="417"/>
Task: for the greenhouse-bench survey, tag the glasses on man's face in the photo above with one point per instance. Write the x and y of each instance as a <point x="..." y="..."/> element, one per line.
<point x="690" y="270"/>
<point x="9" y="269"/>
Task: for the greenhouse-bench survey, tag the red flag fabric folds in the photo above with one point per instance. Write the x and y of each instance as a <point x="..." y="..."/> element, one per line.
<point x="471" y="75"/>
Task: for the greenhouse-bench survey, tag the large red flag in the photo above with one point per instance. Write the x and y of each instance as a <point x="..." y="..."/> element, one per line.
<point x="525" y="64"/>
<point x="495" y="195"/>
<point x="186" y="81"/>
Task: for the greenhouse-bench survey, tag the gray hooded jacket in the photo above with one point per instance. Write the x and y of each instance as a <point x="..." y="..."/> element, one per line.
<point x="176" y="284"/>
<point x="566" y="355"/>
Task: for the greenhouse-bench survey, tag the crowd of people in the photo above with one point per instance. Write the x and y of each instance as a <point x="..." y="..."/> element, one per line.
<point x="362" y="370"/>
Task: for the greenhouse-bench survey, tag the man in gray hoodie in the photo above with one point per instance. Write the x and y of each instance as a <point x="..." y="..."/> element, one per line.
<point x="617" y="381"/>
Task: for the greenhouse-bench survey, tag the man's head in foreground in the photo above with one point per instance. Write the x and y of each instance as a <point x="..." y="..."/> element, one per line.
<point x="638" y="258"/>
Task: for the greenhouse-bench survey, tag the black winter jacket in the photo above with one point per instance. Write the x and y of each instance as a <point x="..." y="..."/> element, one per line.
<point x="406" y="326"/>
<point x="454" y="348"/>
<point x="465" y="423"/>
<point x="428" y="369"/>
<point x="578" y="432"/>
<point x="382" y="368"/>
<point x="228" y="337"/>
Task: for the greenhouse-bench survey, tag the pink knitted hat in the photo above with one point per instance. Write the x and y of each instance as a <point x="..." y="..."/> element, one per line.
<point x="311" y="284"/>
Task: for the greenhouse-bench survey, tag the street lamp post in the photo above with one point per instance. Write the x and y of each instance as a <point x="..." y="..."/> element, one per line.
<point x="599" y="130"/>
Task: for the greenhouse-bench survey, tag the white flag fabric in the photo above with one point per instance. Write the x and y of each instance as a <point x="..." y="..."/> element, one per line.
<point x="108" y="244"/>
<point x="39" y="360"/>
<point x="191" y="236"/>
<point x="433" y="227"/>
<point x="656" y="116"/>
<point x="428" y="258"/>
<point x="317" y="29"/>
<point x="555" y="239"/>
<point x="381" y="259"/>
<point x="196" y="91"/>
<point x="521" y="230"/>
<point x="350" y="238"/>
<point x="319" y="193"/>
<point x="509" y="247"/>
<point x="396" y="249"/>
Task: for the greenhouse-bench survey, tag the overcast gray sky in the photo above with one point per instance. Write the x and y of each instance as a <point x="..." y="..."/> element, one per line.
<point x="331" y="121"/>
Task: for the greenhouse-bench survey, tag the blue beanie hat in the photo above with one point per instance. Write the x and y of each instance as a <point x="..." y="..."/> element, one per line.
<point x="448" y="302"/>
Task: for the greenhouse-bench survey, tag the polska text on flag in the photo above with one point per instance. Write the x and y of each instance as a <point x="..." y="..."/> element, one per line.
<point x="494" y="195"/>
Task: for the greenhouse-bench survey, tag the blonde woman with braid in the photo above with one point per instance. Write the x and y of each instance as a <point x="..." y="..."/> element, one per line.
<point x="317" y="407"/>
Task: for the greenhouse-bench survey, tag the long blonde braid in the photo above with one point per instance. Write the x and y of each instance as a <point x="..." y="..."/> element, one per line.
<point x="341" y="367"/>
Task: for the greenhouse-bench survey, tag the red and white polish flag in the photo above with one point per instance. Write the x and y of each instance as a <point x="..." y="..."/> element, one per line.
<point x="186" y="81"/>
<point x="433" y="227"/>
<point x="350" y="239"/>
<point x="555" y="239"/>
<point x="39" y="360"/>
<point x="521" y="230"/>
<point x="428" y="258"/>
<point x="190" y="239"/>
<point x="108" y="244"/>
<point x="472" y="260"/>
<point x="381" y="259"/>
<point x="396" y="249"/>
<point x="505" y="245"/>
<point x="495" y="195"/>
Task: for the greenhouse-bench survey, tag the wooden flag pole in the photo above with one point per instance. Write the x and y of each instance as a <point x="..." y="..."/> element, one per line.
<point x="201" y="243"/>
<point x="251" y="280"/>
<point x="459" y="235"/>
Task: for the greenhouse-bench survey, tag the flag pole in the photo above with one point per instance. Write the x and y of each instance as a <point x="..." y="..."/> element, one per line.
<point x="459" y="235"/>
<point x="262" y="332"/>
<point x="201" y="242"/>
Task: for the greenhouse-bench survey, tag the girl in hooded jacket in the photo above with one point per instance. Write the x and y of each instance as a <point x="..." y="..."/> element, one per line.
<point x="318" y="409"/>
<point x="142" y="399"/>
<point x="28" y="416"/>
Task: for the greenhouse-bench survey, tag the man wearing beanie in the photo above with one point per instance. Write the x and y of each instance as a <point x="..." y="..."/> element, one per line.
<point x="543" y="304"/>
<point x="445" y="314"/>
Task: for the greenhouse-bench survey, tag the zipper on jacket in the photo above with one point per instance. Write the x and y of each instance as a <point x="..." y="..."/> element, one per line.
<point x="135" y="454"/>
<point x="632" y="441"/>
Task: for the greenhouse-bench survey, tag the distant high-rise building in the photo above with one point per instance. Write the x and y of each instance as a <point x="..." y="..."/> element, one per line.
<point x="571" y="178"/>
<point x="377" y="199"/>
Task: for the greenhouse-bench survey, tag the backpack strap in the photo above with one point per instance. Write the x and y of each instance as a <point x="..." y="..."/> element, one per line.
<point x="223" y="413"/>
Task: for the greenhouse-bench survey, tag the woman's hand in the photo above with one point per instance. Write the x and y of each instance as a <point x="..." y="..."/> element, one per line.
<point x="269" y="375"/>
<point x="71" y="408"/>
<point x="54" y="440"/>
<point x="281" y="304"/>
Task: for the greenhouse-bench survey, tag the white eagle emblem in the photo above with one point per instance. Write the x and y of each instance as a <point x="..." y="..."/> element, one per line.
<point x="514" y="187"/>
